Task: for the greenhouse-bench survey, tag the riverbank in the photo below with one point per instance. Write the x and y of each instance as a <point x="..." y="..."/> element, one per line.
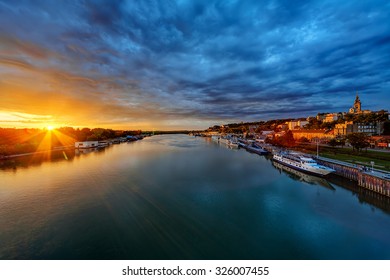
<point x="381" y="158"/>
<point x="61" y="148"/>
<point x="366" y="176"/>
<point x="373" y="180"/>
<point x="364" y="173"/>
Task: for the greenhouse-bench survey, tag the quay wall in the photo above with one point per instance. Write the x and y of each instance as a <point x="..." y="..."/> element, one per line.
<point x="364" y="178"/>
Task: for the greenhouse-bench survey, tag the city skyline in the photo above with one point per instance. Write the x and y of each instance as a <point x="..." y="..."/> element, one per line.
<point x="189" y="64"/>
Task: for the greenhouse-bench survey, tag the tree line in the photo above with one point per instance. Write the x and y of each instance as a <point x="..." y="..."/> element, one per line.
<point x="26" y="140"/>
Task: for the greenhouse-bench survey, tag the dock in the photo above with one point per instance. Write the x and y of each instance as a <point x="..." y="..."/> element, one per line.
<point x="375" y="180"/>
<point x="371" y="179"/>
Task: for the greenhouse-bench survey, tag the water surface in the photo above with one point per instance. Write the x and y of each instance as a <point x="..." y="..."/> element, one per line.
<point x="182" y="197"/>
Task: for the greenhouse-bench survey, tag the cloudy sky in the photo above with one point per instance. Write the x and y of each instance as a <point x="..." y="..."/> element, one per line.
<point x="189" y="64"/>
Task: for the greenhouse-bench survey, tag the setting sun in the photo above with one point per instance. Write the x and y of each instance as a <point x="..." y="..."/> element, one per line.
<point x="50" y="127"/>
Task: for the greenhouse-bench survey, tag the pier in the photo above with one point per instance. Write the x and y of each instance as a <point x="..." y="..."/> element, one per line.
<point x="370" y="179"/>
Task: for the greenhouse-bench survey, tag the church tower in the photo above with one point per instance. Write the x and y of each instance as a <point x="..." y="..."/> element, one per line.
<point x="357" y="105"/>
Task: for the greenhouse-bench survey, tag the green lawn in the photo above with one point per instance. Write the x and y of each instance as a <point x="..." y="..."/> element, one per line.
<point x="381" y="160"/>
<point x="358" y="159"/>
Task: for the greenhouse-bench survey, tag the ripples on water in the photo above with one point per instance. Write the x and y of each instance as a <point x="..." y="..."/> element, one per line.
<point x="181" y="197"/>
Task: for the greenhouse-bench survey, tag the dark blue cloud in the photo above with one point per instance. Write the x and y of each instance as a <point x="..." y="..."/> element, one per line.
<point x="215" y="60"/>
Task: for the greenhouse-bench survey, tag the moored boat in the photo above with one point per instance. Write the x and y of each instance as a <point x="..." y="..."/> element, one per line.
<point x="242" y="143"/>
<point x="232" y="144"/>
<point x="223" y="140"/>
<point x="254" y="148"/>
<point x="86" y="144"/>
<point x="302" y="163"/>
<point x="102" y="144"/>
<point x="227" y="140"/>
<point x="215" y="138"/>
<point x="304" y="177"/>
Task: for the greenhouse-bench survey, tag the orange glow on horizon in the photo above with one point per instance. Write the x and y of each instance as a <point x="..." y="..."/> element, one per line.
<point x="45" y="147"/>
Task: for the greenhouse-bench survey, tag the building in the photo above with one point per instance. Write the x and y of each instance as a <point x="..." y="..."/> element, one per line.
<point x="296" y="124"/>
<point x="282" y="127"/>
<point x="372" y="128"/>
<point x="357" y="107"/>
<point x="342" y="129"/>
<point x="312" y="134"/>
<point x="252" y="129"/>
<point x="279" y="134"/>
<point x="331" y="117"/>
<point x="382" y="142"/>
<point x="267" y="132"/>
<point x="321" y="116"/>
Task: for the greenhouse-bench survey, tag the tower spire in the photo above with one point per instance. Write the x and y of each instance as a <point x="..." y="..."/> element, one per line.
<point x="357" y="104"/>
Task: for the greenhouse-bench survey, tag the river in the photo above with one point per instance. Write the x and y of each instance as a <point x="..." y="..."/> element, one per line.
<point x="182" y="197"/>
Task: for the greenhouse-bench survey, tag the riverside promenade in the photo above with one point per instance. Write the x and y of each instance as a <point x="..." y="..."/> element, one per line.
<point x="372" y="179"/>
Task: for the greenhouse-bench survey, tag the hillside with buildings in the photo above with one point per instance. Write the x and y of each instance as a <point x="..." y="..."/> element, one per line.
<point x="323" y="127"/>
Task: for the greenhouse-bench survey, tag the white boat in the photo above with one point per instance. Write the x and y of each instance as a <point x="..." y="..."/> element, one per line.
<point x="242" y="143"/>
<point x="102" y="144"/>
<point x="86" y="144"/>
<point x="223" y="140"/>
<point x="304" y="177"/>
<point x="302" y="163"/>
<point x="252" y="147"/>
<point x="232" y="144"/>
<point x="229" y="141"/>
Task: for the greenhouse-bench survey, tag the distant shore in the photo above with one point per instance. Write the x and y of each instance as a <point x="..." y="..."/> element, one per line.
<point x="61" y="148"/>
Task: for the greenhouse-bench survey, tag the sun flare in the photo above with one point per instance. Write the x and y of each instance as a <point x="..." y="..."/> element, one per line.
<point x="50" y="127"/>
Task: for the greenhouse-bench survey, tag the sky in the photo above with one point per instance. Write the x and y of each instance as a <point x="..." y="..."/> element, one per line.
<point x="184" y="64"/>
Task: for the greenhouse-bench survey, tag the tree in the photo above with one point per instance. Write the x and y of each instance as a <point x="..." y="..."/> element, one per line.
<point x="328" y="125"/>
<point x="333" y="142"/>
<point x="313" y="124"/>
<point x="228" y="130"/>
<point x="341" y="142"/>
<point x="358" y="140"/>
<point x="287" y="140"/>
<point x="303" y="139"/>
<point x="386" y="128"/>
<point x="349" y="117"/>
<point x="83" y="134"/>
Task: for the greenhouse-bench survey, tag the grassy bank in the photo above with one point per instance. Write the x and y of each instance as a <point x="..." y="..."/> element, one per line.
<point x="381" y="160"/>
